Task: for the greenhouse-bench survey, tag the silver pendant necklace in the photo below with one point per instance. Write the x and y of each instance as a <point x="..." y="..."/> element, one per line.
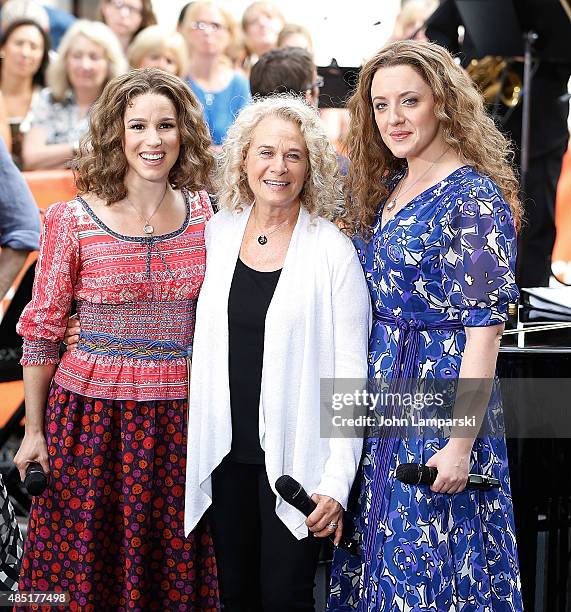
<point x="147" y="227"/>
<point x="398" y="194"/>
<point x="263" y="236"/>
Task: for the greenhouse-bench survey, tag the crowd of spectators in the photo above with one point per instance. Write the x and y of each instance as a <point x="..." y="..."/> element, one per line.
<point x="53" y="67"/>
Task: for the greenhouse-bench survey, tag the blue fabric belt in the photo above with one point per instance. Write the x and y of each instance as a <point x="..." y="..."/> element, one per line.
<point x="404" y="367"/>
<point x="99" y="343"/>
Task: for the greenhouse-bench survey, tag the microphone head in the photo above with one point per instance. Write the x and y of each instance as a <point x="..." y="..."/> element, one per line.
<point x="287" y="487"/>
<point x="408" y="473"/>
<point x="35" y="481"/>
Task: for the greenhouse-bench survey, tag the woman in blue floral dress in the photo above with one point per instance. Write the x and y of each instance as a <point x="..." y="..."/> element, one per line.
<point x="438" y="255"/>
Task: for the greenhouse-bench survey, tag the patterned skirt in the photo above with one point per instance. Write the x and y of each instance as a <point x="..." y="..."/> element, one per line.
<point x="109" y="529"/>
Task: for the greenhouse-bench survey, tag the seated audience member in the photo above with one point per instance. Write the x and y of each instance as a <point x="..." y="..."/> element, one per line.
<point x="209" y="30"/>
<point x="24" y="55"/>
<point x="295" y="35"/>
<point x="288" y="70"/>
<point x="261" y="24"/>
<point x="127" y="18"/>
<point x="89" y="56"/>
<point x="157" y="47"/>
<point x="19" y="221"/>
<point x="4" y="126"/>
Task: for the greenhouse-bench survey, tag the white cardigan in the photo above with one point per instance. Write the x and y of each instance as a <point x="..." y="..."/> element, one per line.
<point x="317" y="326"/>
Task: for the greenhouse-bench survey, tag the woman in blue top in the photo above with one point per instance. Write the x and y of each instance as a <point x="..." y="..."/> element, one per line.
<point x="438" y="254"/>
<point x="209" y="30"/>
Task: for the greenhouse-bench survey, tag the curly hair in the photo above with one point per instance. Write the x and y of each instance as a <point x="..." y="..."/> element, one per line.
<point x="321" y="193"/>
<point x="465" y="127"/>
<point x="101" y="165"/>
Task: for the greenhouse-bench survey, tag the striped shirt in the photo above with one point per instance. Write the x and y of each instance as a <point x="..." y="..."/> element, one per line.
<point x="135" y="297"/>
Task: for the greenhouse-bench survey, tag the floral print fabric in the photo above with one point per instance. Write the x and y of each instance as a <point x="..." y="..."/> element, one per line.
<point x="109" y="527"/>
<point x="447" y="255"/>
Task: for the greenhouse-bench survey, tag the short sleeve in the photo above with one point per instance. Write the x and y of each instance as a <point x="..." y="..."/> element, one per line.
<point x="43" y="321"/>
<point x="478" y="265"/>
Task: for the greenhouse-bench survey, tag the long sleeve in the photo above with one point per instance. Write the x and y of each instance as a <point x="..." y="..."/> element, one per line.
<point x="478" y="267"/>
<point x="19" y="218"/>
<point x="351" y="326"/>
<point x="43" y="321"/>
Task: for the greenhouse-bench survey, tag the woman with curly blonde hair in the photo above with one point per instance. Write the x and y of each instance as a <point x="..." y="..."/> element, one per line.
<point x="432" y="205"/>
<point x="284" y="305"/>
<point x="108" y="421"/>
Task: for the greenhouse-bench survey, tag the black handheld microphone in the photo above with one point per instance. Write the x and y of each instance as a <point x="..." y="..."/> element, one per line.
<point x="36" y="481"/>
<point x="417" y="473"/>
<point x="293" y="493"/>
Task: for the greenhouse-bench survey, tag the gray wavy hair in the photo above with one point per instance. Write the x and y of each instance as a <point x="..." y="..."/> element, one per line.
<point x="321" y="195"/>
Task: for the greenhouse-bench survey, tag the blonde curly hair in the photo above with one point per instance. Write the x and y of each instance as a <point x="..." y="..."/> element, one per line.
<point x="321" y="195"/>
<point x="465" y="126"/>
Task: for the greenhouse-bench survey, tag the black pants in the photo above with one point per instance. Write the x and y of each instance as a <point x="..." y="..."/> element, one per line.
<point x="261" y="565"/>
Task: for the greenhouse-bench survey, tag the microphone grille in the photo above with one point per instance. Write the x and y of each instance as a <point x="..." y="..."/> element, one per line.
<point x="287" y="487"/>
<point x="407" y="473"/>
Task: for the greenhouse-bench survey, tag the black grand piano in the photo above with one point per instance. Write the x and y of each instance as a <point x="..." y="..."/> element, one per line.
<point x="539" y="450"/>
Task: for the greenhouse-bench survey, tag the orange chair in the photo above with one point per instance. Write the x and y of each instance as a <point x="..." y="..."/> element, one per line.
<point x="50" y="186"/>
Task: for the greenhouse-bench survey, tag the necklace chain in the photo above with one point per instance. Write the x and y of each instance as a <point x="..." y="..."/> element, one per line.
<point x="263" y="236"/>
<point x="147" y="227"/>
<point x="398" y="194"/>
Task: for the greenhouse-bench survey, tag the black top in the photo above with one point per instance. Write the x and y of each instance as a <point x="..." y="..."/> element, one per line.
<point x="250" y="296"/>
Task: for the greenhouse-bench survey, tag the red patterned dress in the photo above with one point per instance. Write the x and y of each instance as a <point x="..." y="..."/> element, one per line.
<point x="109" y="527"/>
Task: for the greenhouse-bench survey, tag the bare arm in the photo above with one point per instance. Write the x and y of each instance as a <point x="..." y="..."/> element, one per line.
<point x="41" y="156"/>
<point x="478" y="362"/>
<point x="11" y="263"/>
<point x="34" y="448"/>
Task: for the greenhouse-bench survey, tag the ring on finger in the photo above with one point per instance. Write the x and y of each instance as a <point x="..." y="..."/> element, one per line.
<point x="332" y="526"/>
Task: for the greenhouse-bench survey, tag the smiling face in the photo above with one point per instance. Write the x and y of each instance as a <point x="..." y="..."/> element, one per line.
<point x="403" y="105"/>
<point x="277" y="163"/>
<point x="152" y="137"/>
<point x="23" y="51"/>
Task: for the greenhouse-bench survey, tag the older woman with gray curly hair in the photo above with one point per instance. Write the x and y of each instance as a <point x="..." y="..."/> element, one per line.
<point x="284" y="304"/>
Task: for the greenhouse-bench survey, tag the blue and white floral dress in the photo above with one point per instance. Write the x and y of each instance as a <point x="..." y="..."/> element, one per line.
<point x="444" y="262"/>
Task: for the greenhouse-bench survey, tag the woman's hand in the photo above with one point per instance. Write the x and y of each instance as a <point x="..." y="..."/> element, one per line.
<point x="328" y="513"/>
<point x="452" y="462"/>
<point x="33" y="448"/>
<point x="72" y="331"/>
